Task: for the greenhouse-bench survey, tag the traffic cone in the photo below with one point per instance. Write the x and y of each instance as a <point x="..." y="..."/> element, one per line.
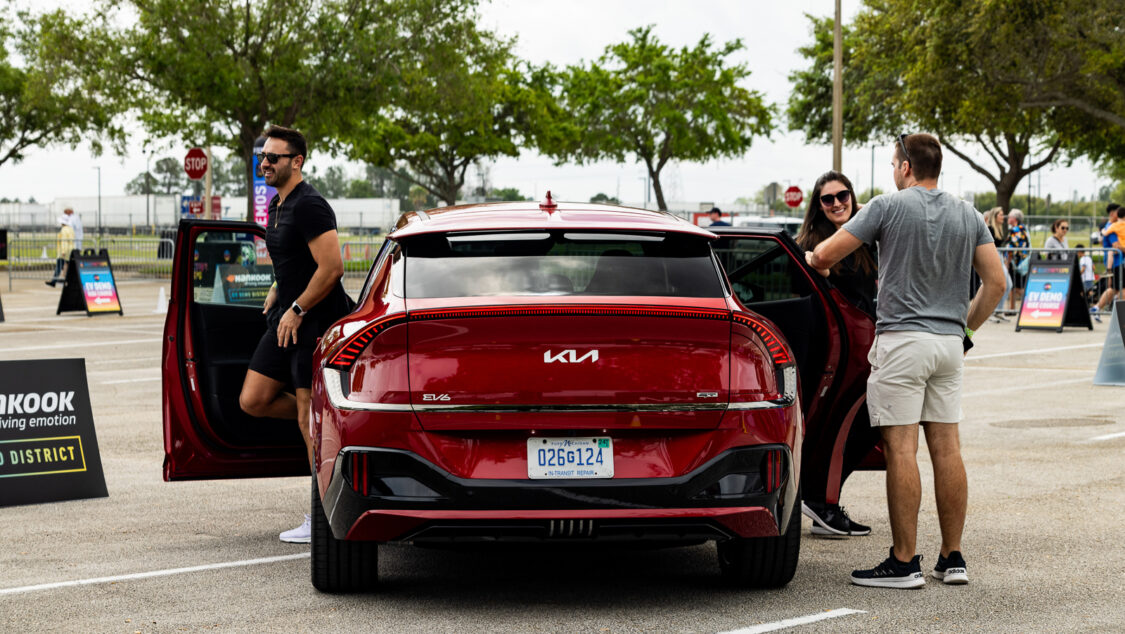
<point x="43" y="256"/>
<point x="161" y="302"/>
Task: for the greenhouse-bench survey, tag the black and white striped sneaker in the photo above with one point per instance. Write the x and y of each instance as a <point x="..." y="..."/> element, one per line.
<point x="951" y="569"/>
<point x="892" y="573"/>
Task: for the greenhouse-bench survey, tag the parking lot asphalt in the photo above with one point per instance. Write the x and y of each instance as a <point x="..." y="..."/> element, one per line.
<point x="1043" y="448"/>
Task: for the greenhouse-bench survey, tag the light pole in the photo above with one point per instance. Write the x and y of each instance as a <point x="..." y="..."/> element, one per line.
<point x="99" y="168"/>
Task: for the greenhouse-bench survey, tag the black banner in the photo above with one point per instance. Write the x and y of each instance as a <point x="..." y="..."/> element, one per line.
<point x="1053" y="296"/>
<point x="48" y="448"/>
<point x="89" y="285"/>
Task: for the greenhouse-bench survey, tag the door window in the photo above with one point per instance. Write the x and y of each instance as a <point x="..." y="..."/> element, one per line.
<point x="230" y="268"/>
<point x="761" y="270"/>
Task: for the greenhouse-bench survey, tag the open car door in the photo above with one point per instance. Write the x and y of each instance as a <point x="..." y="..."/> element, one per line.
<point x="829" y="336"/>
<point x="220" y="276"/>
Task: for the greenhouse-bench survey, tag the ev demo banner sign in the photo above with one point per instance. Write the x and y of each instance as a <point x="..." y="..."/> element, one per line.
<point x="48" y="449"/>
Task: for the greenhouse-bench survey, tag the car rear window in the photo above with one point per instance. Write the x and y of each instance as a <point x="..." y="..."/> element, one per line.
<point x="560" y="263"/>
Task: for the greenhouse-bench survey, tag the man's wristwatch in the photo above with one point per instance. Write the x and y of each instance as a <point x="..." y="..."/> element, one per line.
<point x="297" y="309"/>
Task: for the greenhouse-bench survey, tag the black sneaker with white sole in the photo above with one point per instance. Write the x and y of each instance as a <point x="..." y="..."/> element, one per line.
<point x="951" y="569"/>
<point x="892" y="573"/>
<point x="832" y="520"/>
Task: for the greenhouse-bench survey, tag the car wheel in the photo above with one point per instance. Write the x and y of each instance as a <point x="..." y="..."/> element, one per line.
<point x="763" y="562"/>
<point x="339" y="565"/>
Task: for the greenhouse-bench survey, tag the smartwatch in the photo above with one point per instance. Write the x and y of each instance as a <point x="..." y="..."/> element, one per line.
<point x="297" y="309"/>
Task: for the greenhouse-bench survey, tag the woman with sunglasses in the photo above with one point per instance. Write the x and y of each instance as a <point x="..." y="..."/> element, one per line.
<point x="831" y="205"/>
<point x="1057" y="239"/>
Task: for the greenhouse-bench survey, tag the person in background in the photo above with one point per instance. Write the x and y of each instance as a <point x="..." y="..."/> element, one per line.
<point x="64" y="243"/>
<point x="831" y="204"/>
<point x="994" y="220"/>
<point x="1086" y="266"/>
<point x="76" y="224"/>
<point x="1017" y="238"/>
<point x="1113" y="238"/>
<point x="717" y="218"/>
<point x="1057" y="239"/>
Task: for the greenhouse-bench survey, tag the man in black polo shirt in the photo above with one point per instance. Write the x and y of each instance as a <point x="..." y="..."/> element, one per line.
<point x="304" y="301"/>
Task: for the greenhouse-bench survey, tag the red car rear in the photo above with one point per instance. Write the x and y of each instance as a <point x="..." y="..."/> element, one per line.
<point x="523" y="372"/>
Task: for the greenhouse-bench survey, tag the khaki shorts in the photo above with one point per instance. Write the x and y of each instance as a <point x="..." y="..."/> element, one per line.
<point x="915" y="377"/>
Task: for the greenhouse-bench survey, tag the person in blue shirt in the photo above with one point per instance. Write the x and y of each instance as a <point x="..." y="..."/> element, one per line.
<point x="717" y="218"/>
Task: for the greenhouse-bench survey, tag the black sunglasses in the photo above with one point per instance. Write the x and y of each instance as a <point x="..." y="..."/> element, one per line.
<point x="843" y="196"/>
<point x="905" y="154"/>
<point x="272" y="157"/>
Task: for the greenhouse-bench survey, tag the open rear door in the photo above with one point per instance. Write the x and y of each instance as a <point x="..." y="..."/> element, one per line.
<point x="220" y="275"/>
<point x="829" y="337"/>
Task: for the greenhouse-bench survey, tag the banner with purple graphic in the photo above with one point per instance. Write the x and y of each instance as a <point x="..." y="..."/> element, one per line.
<point x="1053" y="297"/>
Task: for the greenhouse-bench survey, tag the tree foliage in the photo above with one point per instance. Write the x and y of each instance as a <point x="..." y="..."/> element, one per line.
<point x="453" y="105"/>
<point x="43" y="103"/>
<point x="921" y="66"/>
<point x="220" y="71"/>
<point x="642" y="98"/>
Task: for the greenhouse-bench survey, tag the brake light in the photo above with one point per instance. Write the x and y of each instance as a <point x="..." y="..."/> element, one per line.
<point x="345" y="355"/>
<point x="779" y="352"/>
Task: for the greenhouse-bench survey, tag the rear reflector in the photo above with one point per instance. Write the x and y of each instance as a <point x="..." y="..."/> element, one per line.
<point x="772" y="466"/>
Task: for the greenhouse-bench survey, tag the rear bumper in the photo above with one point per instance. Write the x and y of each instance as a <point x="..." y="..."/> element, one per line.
<point x="381" y="494"/>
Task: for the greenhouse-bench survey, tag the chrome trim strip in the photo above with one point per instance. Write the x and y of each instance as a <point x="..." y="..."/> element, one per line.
<point x="333" y="384"/>
<point x="583" y="407"/>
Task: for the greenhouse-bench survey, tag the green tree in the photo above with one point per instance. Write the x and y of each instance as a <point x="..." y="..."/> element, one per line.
<point x="1071" y="55"/>
<point x="219" y="71"/>
<point x="603" y="198"/>
<point x="170" y="176"/>
<point x="645" y="99"/>
<point x="868" y="194"/>
<point x="43" y="103"/>
<point x="332" y="184"/>
<point x="454" y="105"/>
<point x="505" y="193"/>
<point x="773" y="197"/>
<point x="144" y="183"/>
<point x="907" y="67"/>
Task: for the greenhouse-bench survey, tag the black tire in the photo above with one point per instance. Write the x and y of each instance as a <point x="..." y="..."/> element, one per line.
<point x="339" y="565"/>
<point x="762" y="562"/>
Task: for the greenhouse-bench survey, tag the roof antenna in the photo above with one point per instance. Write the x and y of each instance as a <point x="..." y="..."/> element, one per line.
<point x="550" y="205"/>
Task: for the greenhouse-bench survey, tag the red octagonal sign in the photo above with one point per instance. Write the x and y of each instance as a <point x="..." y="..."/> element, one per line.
<point x="793" y="196"/>
<point x="195" y="163"/>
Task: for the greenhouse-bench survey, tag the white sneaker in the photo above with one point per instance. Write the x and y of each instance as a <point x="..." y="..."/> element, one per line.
<point x="300" y="535"/>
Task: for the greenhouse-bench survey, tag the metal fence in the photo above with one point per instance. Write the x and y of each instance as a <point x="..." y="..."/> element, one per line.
<point x="32" y="255"/>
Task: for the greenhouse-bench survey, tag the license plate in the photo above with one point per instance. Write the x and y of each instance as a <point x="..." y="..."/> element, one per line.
<point x="569" y="458"/>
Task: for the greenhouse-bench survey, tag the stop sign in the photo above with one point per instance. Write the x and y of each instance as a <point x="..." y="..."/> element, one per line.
<point x="793" y="196"/>
<point x="195" y="163"/>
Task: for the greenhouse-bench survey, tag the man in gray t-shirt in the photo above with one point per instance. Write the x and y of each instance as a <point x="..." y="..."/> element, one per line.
<point x="929" y="242"/>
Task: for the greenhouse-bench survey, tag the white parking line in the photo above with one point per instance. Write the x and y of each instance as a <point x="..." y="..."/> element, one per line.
<point x="84" y="344"/>
<point x="1119" y="434"/>
<point x="794" y="622"/>
<point x="976" y="357"/>
<point x="154" y="573"/>
<point x="153" y="378"/>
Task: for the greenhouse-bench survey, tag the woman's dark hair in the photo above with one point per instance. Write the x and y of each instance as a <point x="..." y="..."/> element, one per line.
<point x="817" y="227"/>
<point x="1055" y="224"/>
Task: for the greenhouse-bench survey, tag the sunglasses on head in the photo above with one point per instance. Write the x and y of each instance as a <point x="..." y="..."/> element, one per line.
<point x="272" y="157"/>
<point x="843" y="196"/>
<point x="905" y="154"/>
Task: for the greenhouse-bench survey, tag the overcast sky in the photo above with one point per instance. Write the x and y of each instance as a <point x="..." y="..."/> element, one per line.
<point x="573" y="30"/>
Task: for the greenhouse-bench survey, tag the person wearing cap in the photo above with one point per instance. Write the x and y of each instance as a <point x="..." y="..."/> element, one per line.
<point x="717" y="218"/>
<point x="64" y="243"/>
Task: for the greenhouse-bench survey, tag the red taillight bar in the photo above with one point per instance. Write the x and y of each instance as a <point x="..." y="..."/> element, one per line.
<point x="777" y="349"/>
<point x="346" y="355"/>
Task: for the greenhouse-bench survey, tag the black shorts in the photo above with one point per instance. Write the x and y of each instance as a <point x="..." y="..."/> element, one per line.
<point x="291" y="365"/>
